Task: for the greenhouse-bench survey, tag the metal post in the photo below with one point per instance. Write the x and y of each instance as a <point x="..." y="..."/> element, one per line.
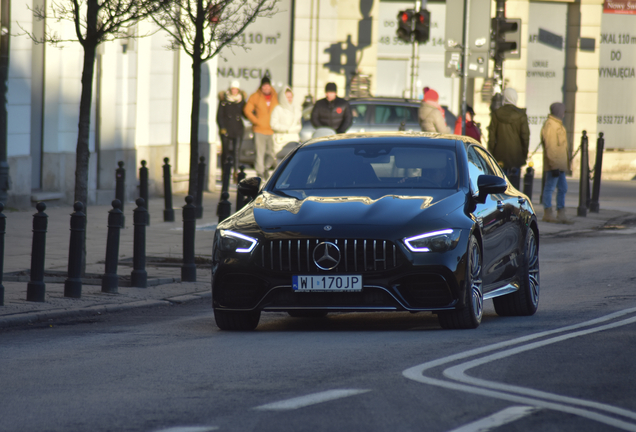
<point x="168" y="211"/>
<point x="224" y="209"/>
<point x="497" y="80"/>
<point x="465" y="56"/>
<point x="3" y="230"/>
<point x="598" y="168"/>
<point x="189" y="269"/>
<point x="73" y="282"/>
<point x="584" y="181"/>
<point x="139" y="277"/>
<point x="36" y="287"/>
<point x="143" y="187"/>
<point x="528" y="181"/>
<point x="5" y="37"/>
<point x="240" y="198"/>
<point x="120" y="188"/>
<point x="110" y="280"/>
<point x="415" y="53"/>
<point x="200" y="184"/>
<point x="227" y="173"/>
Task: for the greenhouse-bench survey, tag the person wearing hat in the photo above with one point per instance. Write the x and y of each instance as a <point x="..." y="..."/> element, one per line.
<point x="509" y="136"/>
<point x="229" y="118"/>
<point x="258" y="110"/>
<point x="332" y="112"/>
<point x="556" y="163"/>
<point x="472" y="128"/>
<point x="431" y="114"/>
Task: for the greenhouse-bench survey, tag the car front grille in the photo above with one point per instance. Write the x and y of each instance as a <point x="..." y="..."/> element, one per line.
<point x="357" y="255"/>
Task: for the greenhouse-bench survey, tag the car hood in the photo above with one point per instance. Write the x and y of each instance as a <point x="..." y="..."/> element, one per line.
<point x="345" y="216"/>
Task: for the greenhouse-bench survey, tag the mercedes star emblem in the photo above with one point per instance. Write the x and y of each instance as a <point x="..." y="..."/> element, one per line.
<point x="326" y="256"/>
<point x="327" y="227"/>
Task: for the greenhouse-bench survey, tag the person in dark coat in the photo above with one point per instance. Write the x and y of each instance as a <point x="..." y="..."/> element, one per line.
<point x="509" y="136"/>
<point x="332" y="112"/>
<point x="229" y="118"/>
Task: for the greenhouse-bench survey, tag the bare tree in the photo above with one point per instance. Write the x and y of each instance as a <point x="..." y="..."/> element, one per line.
<point x="95" y="22"/>
<point x="202" y="28"/>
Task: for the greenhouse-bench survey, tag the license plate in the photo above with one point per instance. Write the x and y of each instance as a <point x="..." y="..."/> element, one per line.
<point x="327" y="283"/>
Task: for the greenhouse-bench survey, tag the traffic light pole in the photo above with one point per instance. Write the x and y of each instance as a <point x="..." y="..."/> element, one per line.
<point x="415" y="54"/>
<point x="465" y="62"/>
<point x="497" y="98"/>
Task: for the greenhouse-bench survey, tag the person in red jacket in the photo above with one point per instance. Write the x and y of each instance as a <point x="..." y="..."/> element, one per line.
<point x="472" y="128"/>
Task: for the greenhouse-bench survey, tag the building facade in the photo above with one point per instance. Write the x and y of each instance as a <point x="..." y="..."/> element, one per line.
<point x="578" y="52"/>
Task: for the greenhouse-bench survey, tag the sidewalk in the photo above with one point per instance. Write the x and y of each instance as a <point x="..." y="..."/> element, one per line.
<point x="164" y="251"/>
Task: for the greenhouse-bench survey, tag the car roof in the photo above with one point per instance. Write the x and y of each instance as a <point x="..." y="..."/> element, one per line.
<point x="390" y="137"/>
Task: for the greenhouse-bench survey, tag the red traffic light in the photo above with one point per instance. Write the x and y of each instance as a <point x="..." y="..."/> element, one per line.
<point x="405" y="17"/>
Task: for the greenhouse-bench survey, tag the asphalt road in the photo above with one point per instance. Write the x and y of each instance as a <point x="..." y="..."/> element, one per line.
<point x="568" y="368"/>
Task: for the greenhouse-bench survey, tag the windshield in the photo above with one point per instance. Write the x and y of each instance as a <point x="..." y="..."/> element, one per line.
<point x="368" y="167"/>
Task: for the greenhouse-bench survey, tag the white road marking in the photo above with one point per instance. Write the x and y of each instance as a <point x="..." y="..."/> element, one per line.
<point x="482" y="387"/>
<point x="190" y="429"/>
<point x="497" y="419"/>
<point x="312" y="399"/>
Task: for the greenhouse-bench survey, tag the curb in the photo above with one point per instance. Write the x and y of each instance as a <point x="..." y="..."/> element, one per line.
<point x="44" y="316"/>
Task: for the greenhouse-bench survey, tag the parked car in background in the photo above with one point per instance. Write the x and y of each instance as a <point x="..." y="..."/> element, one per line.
<point x="370" y="114"/>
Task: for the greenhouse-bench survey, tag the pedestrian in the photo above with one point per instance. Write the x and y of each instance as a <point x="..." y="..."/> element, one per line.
<point x="286" y="121"/>
<point x="509" y="136"/>
<point x="229" y="118"/>
<point x="431" y="114"/>
<point x="332" y="112"/>
<point x="258" y="110"/>
<point x="472" y="129"/>
<point x="556" y="163"/>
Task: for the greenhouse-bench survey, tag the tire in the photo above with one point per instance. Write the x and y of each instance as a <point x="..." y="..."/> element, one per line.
<point x="307" y="314"/>
<point x="468" y="316"/>
<point x="232" y="320"/>
<point x="525" y="301"/>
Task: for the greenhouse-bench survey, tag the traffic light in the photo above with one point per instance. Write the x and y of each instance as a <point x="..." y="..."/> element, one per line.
<point x="422" y="25"/>
<point x="506" y="34"/>
<point x="405" y="25"/>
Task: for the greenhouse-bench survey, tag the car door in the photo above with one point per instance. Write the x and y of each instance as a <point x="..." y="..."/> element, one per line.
<point x="505" y="242"/>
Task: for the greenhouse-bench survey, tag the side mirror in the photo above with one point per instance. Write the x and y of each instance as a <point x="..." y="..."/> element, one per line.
<point x="249" y="187"/>
<point x="488" y="185"/>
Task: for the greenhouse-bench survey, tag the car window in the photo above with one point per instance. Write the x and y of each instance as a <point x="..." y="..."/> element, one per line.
<point x="369" y="166"/>
<point x="359" y="113"/>
<point x="394" y="114"/>
<point x="477" y="166"/>
<point x="492" y="164"/>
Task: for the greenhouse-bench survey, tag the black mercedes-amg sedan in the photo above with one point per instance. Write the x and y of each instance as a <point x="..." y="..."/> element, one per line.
<point x="378" y="222"/>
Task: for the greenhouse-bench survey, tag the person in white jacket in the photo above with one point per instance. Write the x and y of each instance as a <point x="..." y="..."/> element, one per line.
<point x="286" y="121"/>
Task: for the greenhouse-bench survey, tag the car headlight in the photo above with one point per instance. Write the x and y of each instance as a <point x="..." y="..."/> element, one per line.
<point x="435" y="241"/>
<point x="235" y="242"/>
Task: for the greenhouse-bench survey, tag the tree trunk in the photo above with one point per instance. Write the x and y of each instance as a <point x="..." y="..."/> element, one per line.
<point x="82" y="151"/>
<point x="196" y="100"/>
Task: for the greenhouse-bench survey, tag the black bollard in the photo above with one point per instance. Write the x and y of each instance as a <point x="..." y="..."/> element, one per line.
<point x="36" y="287"/>
<point x="110" y="280"/>
<point x="168" y="211"/>
<point x="227" y="172"/>
<point x="3" y="230"/>
<point x="224" y="209"/>
<point x="143" y="187"/>
<point x="598" y="168"/>
<point x="240" y="198"/>
<point x="200" y="184"/>
<point x="189" y="269"/>
<point x="73" y="282"/>
<point x="120" y="187"/>
<point x="528" y="180"/>
<point x="139" y="277"/>
<point x="584" y="181"/>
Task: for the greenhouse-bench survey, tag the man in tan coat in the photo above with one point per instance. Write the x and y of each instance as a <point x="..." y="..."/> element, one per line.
<point x="555" y="163"/>
<point x="258" y="110"/>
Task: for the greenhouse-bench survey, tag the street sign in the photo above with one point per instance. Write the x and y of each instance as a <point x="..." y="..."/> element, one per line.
<point x="478" y="38"/>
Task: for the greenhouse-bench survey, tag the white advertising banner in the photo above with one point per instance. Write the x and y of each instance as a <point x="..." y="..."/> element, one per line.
<point x="545" y="73"/>
<point x="266" y="52"/>
<point x="616" y="77"/>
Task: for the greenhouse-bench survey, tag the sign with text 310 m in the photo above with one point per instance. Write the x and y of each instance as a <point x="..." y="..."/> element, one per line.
<point x="478" y="38"/>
